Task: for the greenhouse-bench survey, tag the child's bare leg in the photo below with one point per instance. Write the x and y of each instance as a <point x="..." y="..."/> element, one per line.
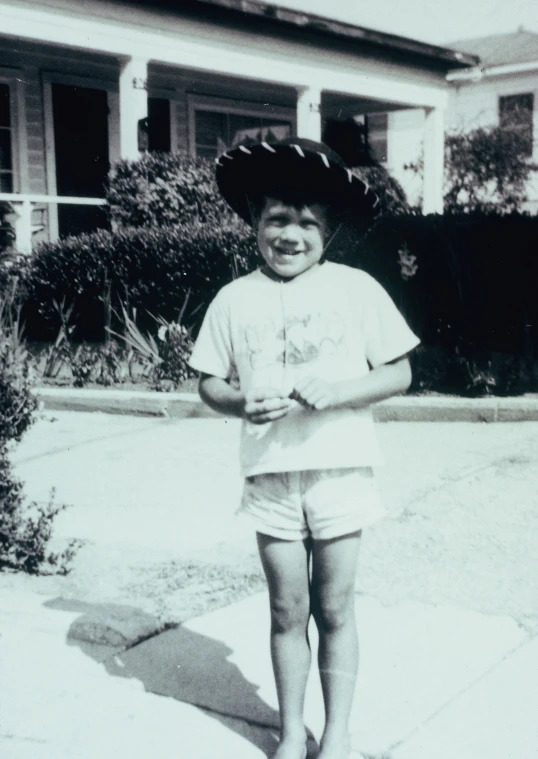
<point x="333" y="585"/>
<point x="286" y="568"/>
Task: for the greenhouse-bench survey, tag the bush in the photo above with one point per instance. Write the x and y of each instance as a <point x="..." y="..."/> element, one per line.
<point x="166" y="190"/>
<point x="25" y="530"/>
<point x="7" y="235"/>
<point x="151" y="270"/>
<point x="486" y="170"/>
<point x="466" y="285"/>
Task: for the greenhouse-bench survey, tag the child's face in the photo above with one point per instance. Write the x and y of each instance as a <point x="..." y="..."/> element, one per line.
<point x="290" y="239"/>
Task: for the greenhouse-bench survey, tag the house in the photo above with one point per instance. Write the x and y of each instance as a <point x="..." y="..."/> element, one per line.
<point x="84" y="84"/>
<point x="503" y="91"/>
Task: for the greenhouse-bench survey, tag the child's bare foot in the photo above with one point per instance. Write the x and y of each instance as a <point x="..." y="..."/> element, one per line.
<point x="291" y="748"/>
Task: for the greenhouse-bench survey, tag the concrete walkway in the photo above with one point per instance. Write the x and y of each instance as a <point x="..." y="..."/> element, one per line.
<point x="434" y="683"/>
<point x="446" y="601"/>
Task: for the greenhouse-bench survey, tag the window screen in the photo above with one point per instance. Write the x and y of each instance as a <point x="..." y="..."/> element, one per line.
<point x="216" y="131"/>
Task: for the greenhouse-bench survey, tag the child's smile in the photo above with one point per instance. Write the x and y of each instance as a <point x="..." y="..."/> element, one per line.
<point x="290" y="239"/>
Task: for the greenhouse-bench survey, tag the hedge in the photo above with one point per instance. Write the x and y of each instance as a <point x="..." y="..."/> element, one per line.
<point x="475" y="281"/>
<point x="151" y="270"/>
<point x="473" y="289"/>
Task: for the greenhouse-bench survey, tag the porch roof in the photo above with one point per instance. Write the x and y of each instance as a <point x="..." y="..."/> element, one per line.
<point x="309" y="24"/>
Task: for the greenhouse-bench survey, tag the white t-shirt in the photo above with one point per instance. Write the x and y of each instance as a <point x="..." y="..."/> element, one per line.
<point x="333" y="322"/>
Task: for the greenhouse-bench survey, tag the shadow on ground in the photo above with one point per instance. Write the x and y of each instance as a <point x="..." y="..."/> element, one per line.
<point x="180" y="664"/>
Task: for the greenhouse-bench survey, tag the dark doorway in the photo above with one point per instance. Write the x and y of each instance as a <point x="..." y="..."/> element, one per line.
<point x="80" y="117"/>
<point x="159" y="125"/>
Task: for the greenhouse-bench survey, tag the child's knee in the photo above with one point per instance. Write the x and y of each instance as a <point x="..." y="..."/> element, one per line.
<point x="289" y="613"/>
<point x="332" y="612"/>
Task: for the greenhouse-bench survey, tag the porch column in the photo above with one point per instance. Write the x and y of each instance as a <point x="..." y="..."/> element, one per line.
<point x="309" y="113"/>
<point x="133" y="106"/>
<point x="434" y="160"/>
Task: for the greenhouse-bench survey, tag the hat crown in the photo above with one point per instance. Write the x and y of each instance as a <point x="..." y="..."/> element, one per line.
<point x="295" y="164"/>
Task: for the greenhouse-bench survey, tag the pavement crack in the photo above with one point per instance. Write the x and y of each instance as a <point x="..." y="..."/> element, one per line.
<point x="459" y="694"/>
<point x="77" y="446"/>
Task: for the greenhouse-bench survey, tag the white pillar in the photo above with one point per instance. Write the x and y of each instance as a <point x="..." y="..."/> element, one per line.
<point x="133" y="104"/>
<point x="434" y="160"/>
<point x="23" y="226"/>
<point x="309" y="113"/>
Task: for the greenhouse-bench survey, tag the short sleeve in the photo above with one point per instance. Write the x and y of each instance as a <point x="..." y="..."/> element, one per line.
<point x="386" y="333"/>
<point x="212" y="353"/>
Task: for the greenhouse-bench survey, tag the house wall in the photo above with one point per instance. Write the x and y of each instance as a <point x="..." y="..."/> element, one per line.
<point x="36" y="65"/>
<point x="265" y="52"/>
<point x="476" y="104"/>
<point x="83" y="44"/>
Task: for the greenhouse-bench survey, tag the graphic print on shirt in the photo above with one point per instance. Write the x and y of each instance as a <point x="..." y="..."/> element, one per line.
<point x="302" y="340"/>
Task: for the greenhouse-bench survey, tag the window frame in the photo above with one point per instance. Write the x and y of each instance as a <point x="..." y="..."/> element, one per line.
<point x="511" y="96"/>
<point x="12" y="78"/>
<point x="233" y="107"/>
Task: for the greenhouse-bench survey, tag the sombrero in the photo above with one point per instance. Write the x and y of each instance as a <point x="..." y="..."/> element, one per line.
<point x="292" y="166"/>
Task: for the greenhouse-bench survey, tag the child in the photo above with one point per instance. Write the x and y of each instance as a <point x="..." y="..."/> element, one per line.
<point x="314" y="344"/>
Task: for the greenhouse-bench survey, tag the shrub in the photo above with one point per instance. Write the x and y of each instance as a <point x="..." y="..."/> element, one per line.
<point x="486" y="170"/>
<point x="25" y="530"/>
<point x="7" y="236"/>
<point x="164" y="190"/>
<point x="466" y="285"/>
<point x="150" y="270"/>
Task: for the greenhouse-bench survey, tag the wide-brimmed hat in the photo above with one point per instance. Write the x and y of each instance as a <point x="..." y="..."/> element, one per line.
<point x="294" y="166"/>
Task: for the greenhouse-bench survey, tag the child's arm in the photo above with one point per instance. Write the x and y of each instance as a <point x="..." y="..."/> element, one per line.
<point x="382" y="382"/>
<point x="258" y="406"/>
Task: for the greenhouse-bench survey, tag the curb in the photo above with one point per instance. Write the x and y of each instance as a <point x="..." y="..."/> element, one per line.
<point x="189" y="406"/>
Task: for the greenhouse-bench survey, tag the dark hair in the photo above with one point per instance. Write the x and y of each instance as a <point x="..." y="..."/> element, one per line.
<point x="297" y="199"/>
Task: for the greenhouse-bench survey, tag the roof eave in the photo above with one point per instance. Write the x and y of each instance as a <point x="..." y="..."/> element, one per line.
<point x="477" y="73"/>
<point x="451" y="59"/>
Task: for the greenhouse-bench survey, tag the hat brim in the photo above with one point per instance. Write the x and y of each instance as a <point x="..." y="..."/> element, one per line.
<point x="249" y="172"/>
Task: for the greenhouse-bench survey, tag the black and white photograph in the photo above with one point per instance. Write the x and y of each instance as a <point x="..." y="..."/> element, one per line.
<point x="268" y="379"/>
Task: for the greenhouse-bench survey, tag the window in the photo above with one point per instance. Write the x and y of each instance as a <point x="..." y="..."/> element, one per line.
<point x="159" y="124"/>
<point x="215" y="126"/>
<point x="516" y="114"/>
<point x="6" y="152"/>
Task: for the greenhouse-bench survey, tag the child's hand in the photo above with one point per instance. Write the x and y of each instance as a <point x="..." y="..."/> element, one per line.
<point x="315" y="394"/>
<point x="264" y="405"/>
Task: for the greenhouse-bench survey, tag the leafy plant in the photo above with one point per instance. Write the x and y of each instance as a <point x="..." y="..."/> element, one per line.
<point x="166" y="189"/>
<point x="486" y="171"/>
<point x="82" y="365"/>
<point x="58" y="354"/>
<point x="165" y="357"/>
<point x="155" y="267"/>
<point x="17" y="403"/>
<point x="25" y="530"/>
<point x="7" y="235"/>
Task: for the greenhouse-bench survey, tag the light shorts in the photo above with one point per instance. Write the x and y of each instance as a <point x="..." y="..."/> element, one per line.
<point x="322" y="503"/>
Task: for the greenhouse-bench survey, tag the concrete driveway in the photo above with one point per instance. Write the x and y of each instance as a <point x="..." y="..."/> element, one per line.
<point x="462" y="501"/>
